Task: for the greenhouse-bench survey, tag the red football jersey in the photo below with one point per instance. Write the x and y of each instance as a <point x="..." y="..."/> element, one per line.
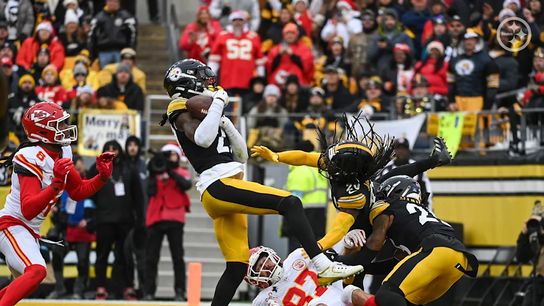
<point x="55" y="94"/>
<point x="238" y="58"/>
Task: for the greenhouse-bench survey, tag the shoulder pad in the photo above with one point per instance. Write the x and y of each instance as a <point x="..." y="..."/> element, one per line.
<point x="178" y="104"/>
<point x="32" y="159"/>
<point x="377" y="209"/>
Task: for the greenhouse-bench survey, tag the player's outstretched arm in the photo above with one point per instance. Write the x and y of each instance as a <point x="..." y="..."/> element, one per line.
<point x="293" y="157"/>
<point x="237" y="142"/>
<point x="206" y="132"/>
<point x="79" y="189"/>
<point x="341" y="226"/>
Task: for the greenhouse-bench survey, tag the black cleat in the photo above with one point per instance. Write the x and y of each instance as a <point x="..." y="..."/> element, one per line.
<point x="440" y="153"/>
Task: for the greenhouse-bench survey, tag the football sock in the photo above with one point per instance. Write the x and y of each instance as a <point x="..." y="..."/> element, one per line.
<point x="228" y="283"/>
<point x="388" y="295"/>
<point x="321" y="262"/>
<point x="23" y="285"/>
<point x="291" y="208"/>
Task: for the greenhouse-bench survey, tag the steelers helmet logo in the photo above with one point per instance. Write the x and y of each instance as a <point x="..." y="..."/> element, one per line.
<point x="514" y="34"/>
<point x="464" y="67"/>
<point x="175" y="74"/>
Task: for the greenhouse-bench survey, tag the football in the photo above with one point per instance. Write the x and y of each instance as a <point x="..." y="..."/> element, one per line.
<point x="197" y="106"/>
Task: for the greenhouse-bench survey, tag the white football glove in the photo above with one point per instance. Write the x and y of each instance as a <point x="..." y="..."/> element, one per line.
<point x="222" y="96"/>
<point x="354" y="239"/>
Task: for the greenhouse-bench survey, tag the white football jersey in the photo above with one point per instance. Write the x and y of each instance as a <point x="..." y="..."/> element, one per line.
<point x="298" y="285"/>
<point x="39" y="163"/>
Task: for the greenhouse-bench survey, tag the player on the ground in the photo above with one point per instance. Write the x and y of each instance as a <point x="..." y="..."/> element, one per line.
<point x="217" y="151"/>
<point x="42" y="170"/>
<point x="294" y="281"/>
<point x="437" y="258"/>
<point x="350" y="163"/>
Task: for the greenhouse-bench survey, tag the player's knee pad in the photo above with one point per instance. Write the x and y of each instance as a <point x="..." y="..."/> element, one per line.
<point x="290" y="205"/>
<point x="389" y="295"/>
<point x="36" y="272"/>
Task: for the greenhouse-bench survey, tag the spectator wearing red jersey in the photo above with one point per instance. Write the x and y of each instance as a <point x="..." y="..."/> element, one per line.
<point x="29" y="50"/>
<point x="198" y="37"/>
<point x="51" y="90"/>
<point x="291" y="56"/>
<point x="237" y="55"/>
<point x="302" y="16"/>
<point x="435" y="69"/>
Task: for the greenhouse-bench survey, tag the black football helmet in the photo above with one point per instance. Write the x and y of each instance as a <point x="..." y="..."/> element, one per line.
<point x="346" y="161"/>
<point x="188" y="78"/>
<point x="399" y="187"/>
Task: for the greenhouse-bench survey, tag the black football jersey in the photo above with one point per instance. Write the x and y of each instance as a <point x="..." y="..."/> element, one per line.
<point x="202" y="159"/>
<point x="412" y="223"/>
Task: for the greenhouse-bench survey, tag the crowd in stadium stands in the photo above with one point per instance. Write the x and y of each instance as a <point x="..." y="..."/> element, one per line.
<point x="384" y="58"/>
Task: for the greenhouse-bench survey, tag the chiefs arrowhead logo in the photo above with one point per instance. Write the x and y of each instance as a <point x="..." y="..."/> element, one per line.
<point x="39" y="115"/>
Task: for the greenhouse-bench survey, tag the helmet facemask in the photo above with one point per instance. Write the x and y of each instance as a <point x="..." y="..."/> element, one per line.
<point x="264" y="269"/>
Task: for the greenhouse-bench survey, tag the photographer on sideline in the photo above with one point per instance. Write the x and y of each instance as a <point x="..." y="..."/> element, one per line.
<point x="530" y="248"/>
<point x="168" y="203"/>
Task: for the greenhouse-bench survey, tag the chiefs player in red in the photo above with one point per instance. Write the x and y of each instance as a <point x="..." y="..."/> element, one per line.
<point x="237" y="54"/>
<point x="42" y="170"/>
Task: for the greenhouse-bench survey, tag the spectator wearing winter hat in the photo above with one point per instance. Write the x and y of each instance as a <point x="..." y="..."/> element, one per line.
<point x="434" y="69"/>
<point x="42" y="60"/>
<point x="302" y="15"/>
<point x="536" y="9"/>
<point x="255" y="95"/>
<point x="415" y="20"/>
<point x="128" y="57"/>
<point x="267" y="119"/>
<point x="274" y="34"/>
<point x="374" y="100"/>
<point x="51" y="90"/>
<point x="398" y="74"/>
<point x="358" y="45"/>
<point x="168" y="204"/>
<point x="509" y="76"/>
<point x="20" y="18"/>
<point x="289" y="57"/>
<point x="11" y="74"/>
<point x="69" y="5"/>
<point x="72" y="37"/>
<point x="24" y="97"/>
<point x="456" y="29"/>
<point x="295" y="97"/>
<point x="335" y="56"/>
<point x="513" y="5"/>
<point x="439" y="32"/>
<point x="389" y="34"/>
<point x="112" y="29"/>
<point x="44" y="36"/>
<point x="438" y="11"/>
<point x="337" y="96"/>
<point x="123" y="90"/>
<point x="344" y="24"/>
<point x="221" y="9"/>
<point x="69" y="79"/>
<point x="199" y="36"/>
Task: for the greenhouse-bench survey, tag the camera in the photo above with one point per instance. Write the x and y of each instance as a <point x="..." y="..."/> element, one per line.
<point x="159" y="163"/>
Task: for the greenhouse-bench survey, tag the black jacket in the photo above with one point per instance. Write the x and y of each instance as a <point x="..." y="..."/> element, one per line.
<point x="120" y="208"/>
<point x="112" y="31"/>
<point x="131" y="94"/>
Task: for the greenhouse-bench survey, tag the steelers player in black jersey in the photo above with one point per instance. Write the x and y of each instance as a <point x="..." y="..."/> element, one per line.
<point x="351" y="162"/>
<point x="437" y="258"/>
<point x="217" y="151"/>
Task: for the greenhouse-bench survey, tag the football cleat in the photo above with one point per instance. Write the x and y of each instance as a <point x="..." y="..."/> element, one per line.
<point x="440" y="153"/>
<point x="337" y="271"/>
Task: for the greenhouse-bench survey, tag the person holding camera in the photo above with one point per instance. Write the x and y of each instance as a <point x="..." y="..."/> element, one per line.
<point x="168" y="203"/>
<point x="530" y="248"/>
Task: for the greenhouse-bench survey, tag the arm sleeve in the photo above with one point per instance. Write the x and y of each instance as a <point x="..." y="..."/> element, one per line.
<point x="341" y="226"/>
<point x="410" y="170"/>
<point x="207" y="129"/>
<point x="182" y="182"/>
<point x="34" y="199"/>
<point x="299" y="158"/>
<point x="79" y="189"/>
<point x="237" y="142"/>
